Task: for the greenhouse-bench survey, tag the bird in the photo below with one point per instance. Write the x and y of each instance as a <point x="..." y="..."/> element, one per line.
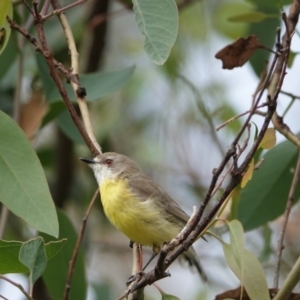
<point x="138" y="206"/>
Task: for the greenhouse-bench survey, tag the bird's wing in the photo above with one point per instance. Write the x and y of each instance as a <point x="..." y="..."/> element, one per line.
<point x="146" y="188"/>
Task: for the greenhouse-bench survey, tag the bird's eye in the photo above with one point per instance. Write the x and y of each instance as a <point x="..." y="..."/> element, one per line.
<point x="108" y="162"/>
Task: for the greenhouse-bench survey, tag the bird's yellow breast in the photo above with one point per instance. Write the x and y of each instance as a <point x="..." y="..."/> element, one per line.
<point x="142" y="220"/>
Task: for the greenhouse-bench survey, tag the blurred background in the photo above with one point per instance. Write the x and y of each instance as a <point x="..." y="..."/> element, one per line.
<point x="163" y="117"/>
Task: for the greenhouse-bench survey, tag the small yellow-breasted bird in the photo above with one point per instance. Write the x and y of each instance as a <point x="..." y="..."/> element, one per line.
<point x="138" y="206"/>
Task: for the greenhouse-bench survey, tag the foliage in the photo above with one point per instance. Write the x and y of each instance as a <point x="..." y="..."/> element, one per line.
<point x="159" y="115"/>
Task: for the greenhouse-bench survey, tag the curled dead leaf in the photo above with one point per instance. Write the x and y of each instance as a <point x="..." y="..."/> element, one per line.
<point x="32" y="114"/>
<point x="239" y="52"/>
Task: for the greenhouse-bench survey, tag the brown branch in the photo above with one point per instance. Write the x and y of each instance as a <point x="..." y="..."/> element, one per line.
<point x="17" y="285"/>
<point x="290" y="23"/>
<point x="192" y="230"/>
<point x="289" y="204"/>
<point x="77" y="246"/>
<point x="53" y="64"/>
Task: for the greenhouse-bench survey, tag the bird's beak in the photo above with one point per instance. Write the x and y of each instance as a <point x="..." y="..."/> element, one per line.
<point x="87" y="160"/>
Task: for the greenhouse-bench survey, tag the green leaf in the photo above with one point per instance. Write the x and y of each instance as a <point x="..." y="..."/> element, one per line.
<point x="97" y="85"/>
<point x="158" y="21"/>
<point x="5" y="30"/>
<point x="8" y="56"/>
<point x="169" y="297"/>
<point x="252" y="17"/>
<point x="244" y="264"/>
<point x="9" y="253"/>
<point x="43" y="72"/>
<point x="66" y="124"/>
<point x="251" y="275"/>
<point x="56" y="281"/>
<point x="23" y="186"/>
<point x="223" y="12"/>
<point x="264" y="198"/>
<point x="52" y="248"/>
<point x="33" y="256"/>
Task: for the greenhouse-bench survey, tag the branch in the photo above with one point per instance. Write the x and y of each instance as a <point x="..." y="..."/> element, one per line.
<point x="78" y="90"/>
<point x="53" y="64"/>
<point x="288" y="208"/>
<point x="17" y="285"/>
<point x="192" y="231"/>
<point x="290" y="24"/>
<point x="77" y="246"/>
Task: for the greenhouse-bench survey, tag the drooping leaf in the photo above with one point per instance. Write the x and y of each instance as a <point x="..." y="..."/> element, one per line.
<point x="158" y="21"/>
<point x="5" y="30"/>
<point x="251" y="275"/>
<point x="9" y="253"/>
<point x="33" y="256"/>
<point x="23" y="186"/>
<point x="264" y="198"/>
<point x="97" y="85"/>
<point x="56" y="281"/>
<point x="269" y="139"/>
<point x="32" y="113"/>
<point x="248" y="175"/>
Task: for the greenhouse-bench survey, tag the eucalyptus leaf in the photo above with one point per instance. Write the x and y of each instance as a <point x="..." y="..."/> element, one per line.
<point x="9" y="253"/>
<point x="158" y="21"/>
<point x="23" y="186"/>
<point x="33" y="256"/>
<point x="264" y="198"/>
<point x="56" y="281"/>
<point x="97" y="85"/>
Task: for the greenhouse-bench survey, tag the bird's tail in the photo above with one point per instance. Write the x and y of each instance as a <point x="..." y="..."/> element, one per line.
<point x="191" y="257"/>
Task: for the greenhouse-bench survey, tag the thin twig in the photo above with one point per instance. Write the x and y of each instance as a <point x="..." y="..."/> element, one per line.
<point x="3" y="297"/>
<point x="238" y="116"/>
<point x="293" y="96"/>
<point x="61" y="10"/>
<point x="193" y="230"/>
<point x="17" y="285"/>
<point x="52" y="64"/>
<point x="288" y="208"/>
<point x="290" y="24"/>
<point x="80" y="96"/>
<point x="77" y="246"/>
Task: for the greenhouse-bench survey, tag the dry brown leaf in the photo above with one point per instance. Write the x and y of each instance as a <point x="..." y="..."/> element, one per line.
<point x="236" y="295"/>
<point x="237" y="53"/>
<point x="32" y="114"/>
